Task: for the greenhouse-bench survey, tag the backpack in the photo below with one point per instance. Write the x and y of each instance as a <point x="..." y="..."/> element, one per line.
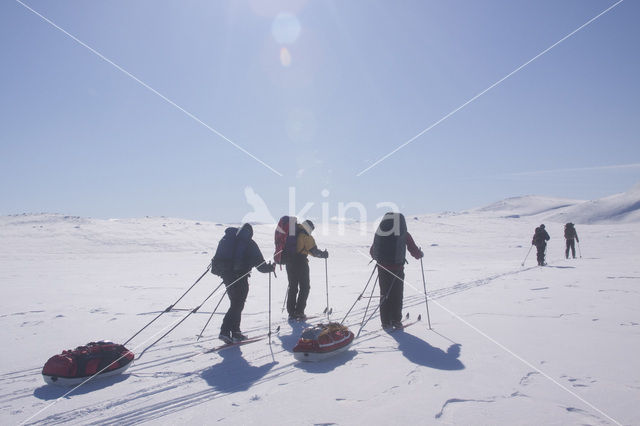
<point x="569" y="231"/>
<point x="285" y="239"/>
<point x="539" y="236"/>
<point x="390" y="242"/>
<point x="222" y="262"/>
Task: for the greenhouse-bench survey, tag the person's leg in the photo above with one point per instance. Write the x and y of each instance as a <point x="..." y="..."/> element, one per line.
<point x="240" y="292"/>
<point x="304" y="282"/>
<point x="292" y="276"/>
<point x="540" y="254"/>
<point x="396" y="296"/>
<point x="385" y="280"/>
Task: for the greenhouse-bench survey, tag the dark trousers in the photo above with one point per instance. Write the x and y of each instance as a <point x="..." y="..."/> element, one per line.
<point x="237" y="293"/>
<point x="299" y="285"/>
<point x="391" y="294"/>
<point x="541" y="250"/>
<point x="571" y="245"/>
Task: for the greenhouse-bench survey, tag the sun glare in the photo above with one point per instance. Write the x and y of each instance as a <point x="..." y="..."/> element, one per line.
<point x="285" y="28"/>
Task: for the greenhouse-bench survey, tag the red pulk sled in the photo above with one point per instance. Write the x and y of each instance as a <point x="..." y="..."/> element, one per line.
<point x="72" y="367"/>
<point x="322" y="341"/>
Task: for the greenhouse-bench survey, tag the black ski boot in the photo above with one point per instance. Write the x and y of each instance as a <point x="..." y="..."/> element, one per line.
<point x="237" y="336"/>
<point x="225" y="336"/>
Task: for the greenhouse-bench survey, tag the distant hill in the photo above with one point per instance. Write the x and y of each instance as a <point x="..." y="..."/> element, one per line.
<point x="529" y="205"/>
<point x="618" y="208"/>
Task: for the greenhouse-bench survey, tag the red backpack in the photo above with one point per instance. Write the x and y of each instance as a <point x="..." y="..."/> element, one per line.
<point x="285" y="239"/>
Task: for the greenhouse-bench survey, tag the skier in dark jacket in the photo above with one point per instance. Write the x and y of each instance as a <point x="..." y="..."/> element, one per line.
<point x="298" y="270"/>
<point x="389" y="250"/>
<point x="540" y="238"/>
<point x="238" y="254"/>
<point x="571" y="236"/>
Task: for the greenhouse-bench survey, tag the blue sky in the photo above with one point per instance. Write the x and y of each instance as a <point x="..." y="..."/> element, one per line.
<point x="319" y="91"/>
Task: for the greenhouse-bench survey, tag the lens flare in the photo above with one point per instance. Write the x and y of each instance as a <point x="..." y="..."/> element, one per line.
<point x="285" y="57"/>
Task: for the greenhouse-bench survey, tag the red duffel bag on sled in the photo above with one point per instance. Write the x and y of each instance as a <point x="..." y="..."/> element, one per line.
<point x="322" y="341"/>
<point x="72" y="367"/>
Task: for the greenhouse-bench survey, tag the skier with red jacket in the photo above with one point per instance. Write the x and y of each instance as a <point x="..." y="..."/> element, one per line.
<point x="571" y="236"/>
<point x="390" y="244"/>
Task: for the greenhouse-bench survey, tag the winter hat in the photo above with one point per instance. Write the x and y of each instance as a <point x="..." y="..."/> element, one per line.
<point x="308" y="226"/>
<point x="542" y="226"/>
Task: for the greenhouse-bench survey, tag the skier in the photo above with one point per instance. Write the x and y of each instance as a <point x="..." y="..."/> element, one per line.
<point x="388" y="250"/>
<point x="236" y="255"/>
<point x="540" y="238"/>
<point x="298" y="270"/>
<point x="571" y="236"/>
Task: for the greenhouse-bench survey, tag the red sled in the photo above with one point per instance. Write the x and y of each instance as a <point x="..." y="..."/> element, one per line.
<point x="323" y="341"/>
<point x="73" y="367"/>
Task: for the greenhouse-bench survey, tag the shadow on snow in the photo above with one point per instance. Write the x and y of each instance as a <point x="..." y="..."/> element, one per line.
<point x="48" y="392"/>
<point x="289" y="341"/>
<point x="234" y="373"/>
<point x="420" y="352"/>
<point x="327" y="365"/>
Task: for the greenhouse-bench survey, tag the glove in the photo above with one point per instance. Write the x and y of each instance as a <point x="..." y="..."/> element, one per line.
<point x="421" y="254"/>
<point x="272" y="267"/>
<point x="325" y="254"/>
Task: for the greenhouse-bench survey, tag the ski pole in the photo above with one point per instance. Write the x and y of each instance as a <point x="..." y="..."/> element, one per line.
<point x="170" y="306"/>
<point x="383" y="299"/>
<point x="286" y="295"/>
<point x="270" y="307"/>
<point x="364" y="317"/>
<point x="326" y="282"/>
<point x="361" y="294"/>
<point x="525" y="258"/>
<point x="579" y="251"/>
<point x="212" y="313"/>
<point x="424" y="284"/>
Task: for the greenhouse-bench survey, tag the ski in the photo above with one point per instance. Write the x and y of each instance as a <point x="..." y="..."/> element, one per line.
<point x="304" y="320"/>
<point x="240" y="343"/>
<point x="405" y="324"/>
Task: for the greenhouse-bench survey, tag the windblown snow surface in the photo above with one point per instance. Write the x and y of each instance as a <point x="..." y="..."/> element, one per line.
<point x="509" y="344"/>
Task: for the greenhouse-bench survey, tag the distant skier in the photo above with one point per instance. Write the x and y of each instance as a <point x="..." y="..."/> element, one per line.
<point x="235" y="256"/>
<point x="571" y="236"/>
<point x="298" y="270"/>
<point x="540" y="238"/>
<point x="389" y="250"/>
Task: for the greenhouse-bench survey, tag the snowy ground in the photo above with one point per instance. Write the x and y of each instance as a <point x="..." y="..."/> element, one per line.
<point x="509" y="345"/>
